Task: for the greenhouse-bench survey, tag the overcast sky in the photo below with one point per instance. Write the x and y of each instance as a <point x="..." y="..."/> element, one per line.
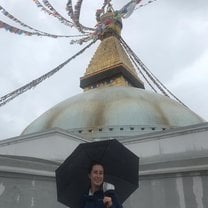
<point x="169" y="36"/>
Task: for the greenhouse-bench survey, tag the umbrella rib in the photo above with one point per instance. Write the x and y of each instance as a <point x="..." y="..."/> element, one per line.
<point x="105" y="150"/>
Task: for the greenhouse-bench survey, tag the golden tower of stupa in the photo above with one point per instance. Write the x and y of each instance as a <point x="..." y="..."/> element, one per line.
<point x="110" y="65"/>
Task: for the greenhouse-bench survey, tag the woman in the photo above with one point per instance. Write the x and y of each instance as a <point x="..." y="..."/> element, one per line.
<point x="101" y="194"/>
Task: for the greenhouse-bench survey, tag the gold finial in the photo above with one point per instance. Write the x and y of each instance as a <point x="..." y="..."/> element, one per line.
<point x="108" y="23"/>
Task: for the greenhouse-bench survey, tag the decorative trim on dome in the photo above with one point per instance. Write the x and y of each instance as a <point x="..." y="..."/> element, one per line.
<point x="115" y="131"/>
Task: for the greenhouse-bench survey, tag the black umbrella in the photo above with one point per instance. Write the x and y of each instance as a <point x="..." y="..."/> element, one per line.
<point x="120" y="164"/>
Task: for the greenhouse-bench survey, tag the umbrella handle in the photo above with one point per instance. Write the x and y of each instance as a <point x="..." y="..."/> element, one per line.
<point x="108" y="202"/>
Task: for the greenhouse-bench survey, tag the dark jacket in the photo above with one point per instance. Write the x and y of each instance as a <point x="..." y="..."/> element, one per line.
<point x="96" y="200"/>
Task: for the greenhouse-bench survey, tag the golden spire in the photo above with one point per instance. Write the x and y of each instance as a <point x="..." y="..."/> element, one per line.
<point x="110" y="65"/>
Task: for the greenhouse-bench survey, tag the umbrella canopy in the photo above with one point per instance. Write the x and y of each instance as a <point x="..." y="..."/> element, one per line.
<point x="121" y="168"/>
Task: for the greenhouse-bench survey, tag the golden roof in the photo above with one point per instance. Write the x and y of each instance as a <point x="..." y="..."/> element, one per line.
<point x="110" y="65"/>
<point x="109" y="60"/>
<point x="109" y="54"/>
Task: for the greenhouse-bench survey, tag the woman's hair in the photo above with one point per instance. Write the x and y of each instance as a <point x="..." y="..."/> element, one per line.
<point x="94" y="162"/>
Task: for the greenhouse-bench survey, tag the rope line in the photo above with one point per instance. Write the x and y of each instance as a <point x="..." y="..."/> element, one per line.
<point x="35" y="31"/>
<point x="18" y="31"/>
<point x="138" y="67"/>
<point x="142" y="5"/>
<point x="54" y="11"/>
<point x="153" y="78"/>
<point x="144" y="68"/>
<point x="10" y="96"/>
<point x="74" y="14"/>
<point x="39" y="5"/>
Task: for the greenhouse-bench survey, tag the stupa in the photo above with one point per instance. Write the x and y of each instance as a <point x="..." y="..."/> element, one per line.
<point x="114" y="102"/>
<point x="170" y="139"/>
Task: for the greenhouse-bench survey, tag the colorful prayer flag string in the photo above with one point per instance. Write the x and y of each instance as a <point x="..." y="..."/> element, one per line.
<point x="39" y="5"/>
<point x="10" y="96"/>
<point x="88" y="33"/>
<point x="37" y="32"/>
<point x="18" y="31"/>
<point x="142" y="5"/>
<point x="54" y="11"/>
<point x="75" y="15"/>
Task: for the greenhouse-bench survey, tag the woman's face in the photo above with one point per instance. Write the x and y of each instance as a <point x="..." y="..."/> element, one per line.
<point x="96" y="176"/>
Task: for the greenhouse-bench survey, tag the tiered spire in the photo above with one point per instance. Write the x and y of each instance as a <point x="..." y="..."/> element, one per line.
<point x="110" y="65"/>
